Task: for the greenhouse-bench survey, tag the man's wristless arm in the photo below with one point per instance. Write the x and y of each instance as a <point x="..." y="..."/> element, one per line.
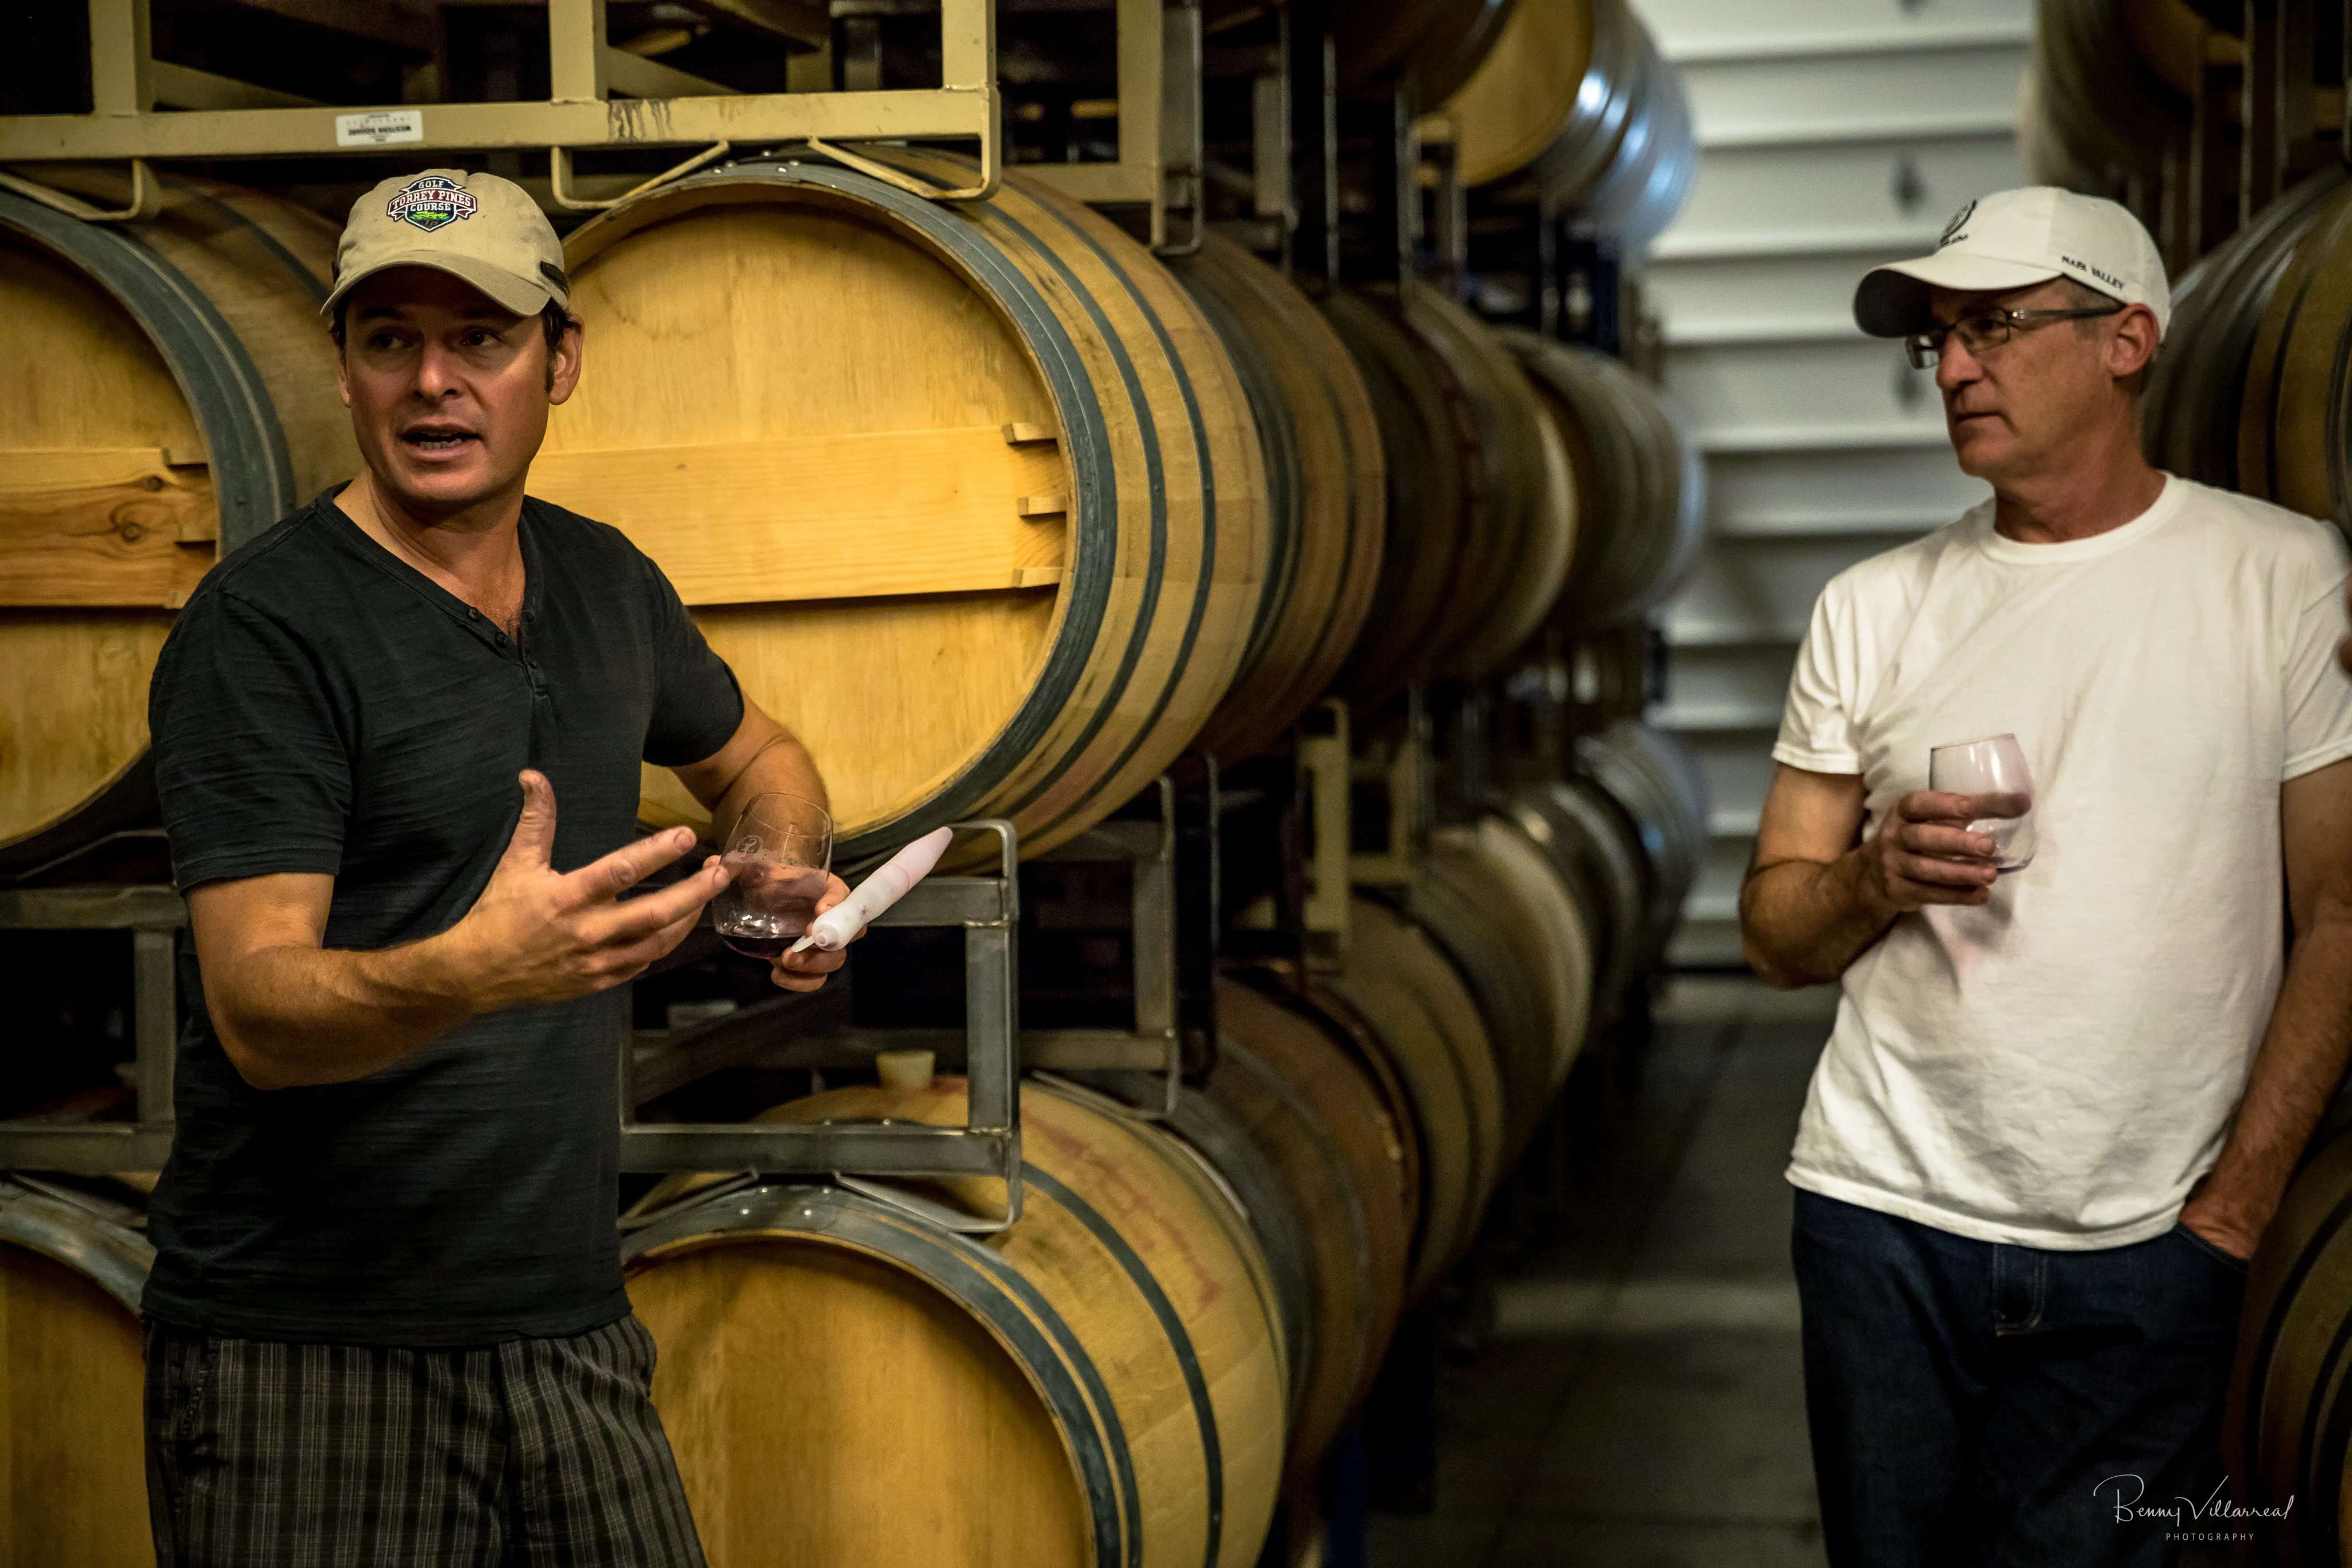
<point x="294" y="1014"/>
<point x="1803" y="922"/>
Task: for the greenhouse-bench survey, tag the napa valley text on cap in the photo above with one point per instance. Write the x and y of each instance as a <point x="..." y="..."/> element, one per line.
<point x="2014" y="239"/>
<point x="477" y="227"/>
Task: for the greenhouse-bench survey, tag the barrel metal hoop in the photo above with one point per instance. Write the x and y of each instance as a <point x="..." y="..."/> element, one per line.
<point x="1155" y="476"/>
<point x="2274" y="1322"/>
<point x="116" y="1259"/>
<point x="1278" y="436"/>
<point x="1094" y="475"/>
<point x="1021" y="1319"/>
<point x="1244" y="1177"/>
<point x="252" y="473"/>
<point x="2280" y="357"/>
<point x="1203" y="592"/>
<point x="1234" y="1049"/>
<point x="1204" y="1413"/>
<point x="1359" y="495"/>
<point x="2323" y="1444"/>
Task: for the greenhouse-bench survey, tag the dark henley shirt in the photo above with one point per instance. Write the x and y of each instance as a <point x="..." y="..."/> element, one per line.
<point x="322" y="707"/>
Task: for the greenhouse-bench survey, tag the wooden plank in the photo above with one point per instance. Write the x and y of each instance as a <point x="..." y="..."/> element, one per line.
<point x="94" y="527"/>
<point x="823" y="517"/>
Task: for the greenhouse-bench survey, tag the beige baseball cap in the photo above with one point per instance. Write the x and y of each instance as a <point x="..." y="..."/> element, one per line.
<point x="2011" y="239"/>
<point x="479" y="227"/>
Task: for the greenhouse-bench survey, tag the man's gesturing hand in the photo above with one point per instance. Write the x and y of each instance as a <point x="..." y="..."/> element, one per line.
<point x="539" y="935"/>
<point x="1924" y="853"/>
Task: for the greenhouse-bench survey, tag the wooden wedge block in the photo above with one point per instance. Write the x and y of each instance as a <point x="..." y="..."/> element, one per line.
<point x="103" y="527"/>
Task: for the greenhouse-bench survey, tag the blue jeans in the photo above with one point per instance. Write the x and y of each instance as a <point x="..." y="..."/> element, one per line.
<point x="1980" y="1404"/>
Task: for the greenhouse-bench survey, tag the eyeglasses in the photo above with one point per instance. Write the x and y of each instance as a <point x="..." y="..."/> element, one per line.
<point x="1987" y="328"/>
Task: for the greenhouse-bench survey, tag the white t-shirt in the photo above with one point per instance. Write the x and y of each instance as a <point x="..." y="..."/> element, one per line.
<point x="2057" y="1068"/>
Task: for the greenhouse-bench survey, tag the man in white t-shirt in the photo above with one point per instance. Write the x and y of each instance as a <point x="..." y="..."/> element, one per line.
<point x="2060" y="1101"/>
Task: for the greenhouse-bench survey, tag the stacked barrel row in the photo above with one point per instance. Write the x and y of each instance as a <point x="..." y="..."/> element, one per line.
<point x="994" y="509"/>
<point x="1186" y="1311"/>
<point x="1000" y="513"/>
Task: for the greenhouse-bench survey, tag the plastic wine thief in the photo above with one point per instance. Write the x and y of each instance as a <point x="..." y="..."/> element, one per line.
<point x="833" y="930"/>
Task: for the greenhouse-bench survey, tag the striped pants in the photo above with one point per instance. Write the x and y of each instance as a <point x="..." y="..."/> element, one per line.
<point x="534" y="1453"/>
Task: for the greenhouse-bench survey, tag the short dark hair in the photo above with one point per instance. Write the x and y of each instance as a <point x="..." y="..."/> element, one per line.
<point x="552" y="321"/>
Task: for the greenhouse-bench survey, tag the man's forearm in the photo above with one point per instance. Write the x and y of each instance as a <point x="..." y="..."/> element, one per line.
<point x="2295" y="1076"/>
<point x="1803" y="922"/>
<point x="297" y="1015"/>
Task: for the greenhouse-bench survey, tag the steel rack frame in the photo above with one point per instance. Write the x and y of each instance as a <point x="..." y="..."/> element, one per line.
<point x="824" y="1039"/>
<point x="145" y="108"/>
<point x="986" y="906"/>
<point x="219" y="118"/>
<point x="153" y="916"/>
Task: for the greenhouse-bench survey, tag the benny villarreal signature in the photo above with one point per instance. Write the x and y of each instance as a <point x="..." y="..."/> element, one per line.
<point x="2127" y="1494"/>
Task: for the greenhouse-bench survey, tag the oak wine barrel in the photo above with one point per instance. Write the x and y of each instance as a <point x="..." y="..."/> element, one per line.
<point x="2103" y="112"/>
<point x="843" y="1382"/>
<point x="2198" y="389"/>
<point x="167" y="393"/>
<point x="2293" y="415"/>
<point x="1327" y="496"/>
<point x="1641" y="504"/>
<point x="1436" y="516"/>
<point x="1207" y="1131"/>
<point x="72" y="1265"/>
<point x="1482" y="517"/>
<point x="968" y="495"/>
<point x="1596" y="848"/>
<point x="1574" y="106"/>
<point x="1293" y="1084"/>
<point x="1507" y="918"/>
<point x="1429" y="47"/>
<point x="2287" y="1433"/>
<point x="1507" y="584"/>
<point x="1656" y="780"/>
<point x="1415" y="1005"/>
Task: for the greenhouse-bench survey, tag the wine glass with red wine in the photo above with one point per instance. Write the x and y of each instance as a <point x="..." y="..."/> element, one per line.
<point x="779" y="857"/>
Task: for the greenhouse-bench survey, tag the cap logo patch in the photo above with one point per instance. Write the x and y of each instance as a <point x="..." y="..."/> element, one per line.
<point x="430" y="201"/>
<point x="1956" y="228"/>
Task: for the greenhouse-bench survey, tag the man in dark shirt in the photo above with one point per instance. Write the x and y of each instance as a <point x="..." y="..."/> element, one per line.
<point x="386" y="1319"/>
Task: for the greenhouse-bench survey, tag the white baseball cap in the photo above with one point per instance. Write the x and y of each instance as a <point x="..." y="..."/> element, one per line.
<point x="478" y="227"/>
<point x="2013" y="238"/>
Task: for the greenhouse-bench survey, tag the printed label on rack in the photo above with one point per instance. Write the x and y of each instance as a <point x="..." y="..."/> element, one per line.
<point x="380" y="128"/>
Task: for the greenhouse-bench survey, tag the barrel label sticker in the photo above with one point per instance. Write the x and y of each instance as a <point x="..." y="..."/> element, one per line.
<point x="380" y="128"/>
<point x="431" y="200"/>
<point x="1956" y="227"/>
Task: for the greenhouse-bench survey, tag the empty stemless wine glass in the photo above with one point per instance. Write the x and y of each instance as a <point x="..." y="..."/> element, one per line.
<point x="1993" y="769"/>
<point x="779" y="857"/>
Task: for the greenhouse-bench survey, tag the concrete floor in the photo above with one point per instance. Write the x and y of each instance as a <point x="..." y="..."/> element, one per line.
<point x="1641" y="1404"/>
